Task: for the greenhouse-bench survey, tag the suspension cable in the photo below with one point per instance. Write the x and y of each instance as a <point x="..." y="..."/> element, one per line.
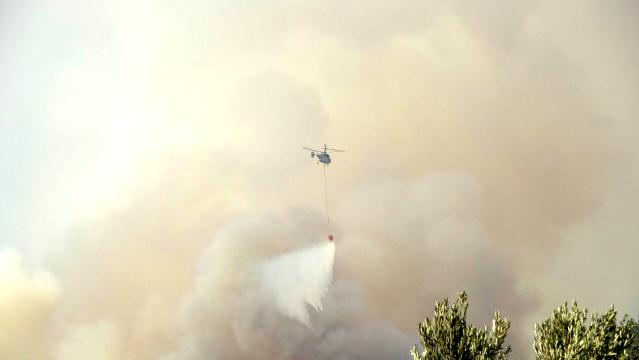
<point x="328" y="219"/>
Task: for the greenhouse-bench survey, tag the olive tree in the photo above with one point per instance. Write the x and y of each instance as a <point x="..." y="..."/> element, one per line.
<point x="568" y="335"/>
<point x="448" y="336"/>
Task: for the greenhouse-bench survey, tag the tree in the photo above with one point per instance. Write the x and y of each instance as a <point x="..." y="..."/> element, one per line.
<point x="635" y="343"/>
<point x="567" y="335"/>
<point x="448" y="336"/>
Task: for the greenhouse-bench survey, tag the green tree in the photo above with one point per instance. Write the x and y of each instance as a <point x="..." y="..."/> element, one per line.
<point x="568" y="335"/>
<point x="635" y="343"/>
<point x="449" y="337"/>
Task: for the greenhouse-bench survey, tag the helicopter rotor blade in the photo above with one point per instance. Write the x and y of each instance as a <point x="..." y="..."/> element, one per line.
<point x="309" y="149"/>
<point x="335" y="150"/>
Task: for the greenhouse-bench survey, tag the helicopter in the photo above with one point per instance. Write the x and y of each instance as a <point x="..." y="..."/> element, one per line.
<point x="322" y="155"/>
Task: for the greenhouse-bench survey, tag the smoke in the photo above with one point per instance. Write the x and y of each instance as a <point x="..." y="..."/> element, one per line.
<point x="100" y="341"/>
<point x="151" y="168"/>
<point x="417" y="241"/>
<point x="428" y="234"/>
<point x="253" y="298"/>
<point x="27" y="303"/>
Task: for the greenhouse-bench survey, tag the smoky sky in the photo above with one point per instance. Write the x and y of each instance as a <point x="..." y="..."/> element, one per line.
<point x="152" y="161"/>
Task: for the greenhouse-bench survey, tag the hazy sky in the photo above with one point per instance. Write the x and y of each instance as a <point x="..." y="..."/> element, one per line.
<point x="151" y="157"/>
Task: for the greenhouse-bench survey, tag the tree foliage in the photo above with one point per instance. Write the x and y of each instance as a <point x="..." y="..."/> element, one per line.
<point x="567" y="335"/>
<point x="448" y="336"/>
<point x="635" y="343"/>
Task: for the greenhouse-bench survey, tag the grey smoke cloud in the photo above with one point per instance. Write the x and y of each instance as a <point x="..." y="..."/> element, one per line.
<point x="492" y="148"/>
<point x="27" y="303"/>
<point x="417" y="241"/>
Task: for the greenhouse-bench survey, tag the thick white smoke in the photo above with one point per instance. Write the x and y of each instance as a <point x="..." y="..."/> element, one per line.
<point x="101" y="340"/>
<point x="27" y="302"/>
<point x="255" y="280"/>
<point x="490" y="148"/>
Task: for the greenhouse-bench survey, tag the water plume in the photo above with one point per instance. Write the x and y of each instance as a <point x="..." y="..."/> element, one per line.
<point x="297" y="279"/>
